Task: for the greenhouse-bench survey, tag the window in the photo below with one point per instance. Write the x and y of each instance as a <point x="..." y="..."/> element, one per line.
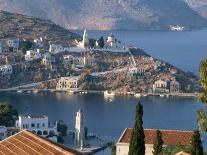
<point x="43" y="124"/>
<point x="38" y="125"/>
<point x="32" y="125"/>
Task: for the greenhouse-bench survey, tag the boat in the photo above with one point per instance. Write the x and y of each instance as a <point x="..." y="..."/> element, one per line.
<point x="162" y="95"/>
<point x="137" y="95"/>
<point x="177" y="28"/>
<point x="109" y="93"/>
<point x="35" y="91"/>
<point x="19" y="91"/>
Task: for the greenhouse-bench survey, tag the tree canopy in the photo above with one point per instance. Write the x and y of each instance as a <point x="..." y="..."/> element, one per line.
<point x="196" y="144"/>
<point x="8" y="115"/>
<point x="137" y="142"/>
<point x="158" y="143"/>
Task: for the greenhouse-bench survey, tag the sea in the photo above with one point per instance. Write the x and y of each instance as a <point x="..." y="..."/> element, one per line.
<point x="108" y="117"/>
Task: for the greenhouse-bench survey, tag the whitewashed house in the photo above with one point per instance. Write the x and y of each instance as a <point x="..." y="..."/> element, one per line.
<point x="68" y="83"/>
<point x="32" y="55"/>
<point x="174" y="86"/>
<point x="6" y="70"/>
<point x="14" y="43"/>
<point x="56" y="48"/>
<point x="170" y="137"/>
<point x="36" y="124"/>
<point x="3" y="132"/>
<point x="39" y="43"/>
<point x="160" y="86"/>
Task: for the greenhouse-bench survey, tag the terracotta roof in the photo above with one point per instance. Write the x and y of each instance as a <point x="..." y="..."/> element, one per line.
<point x="182" y="153"/>
<point x="170" y="137"/>
<point x="27" y="143"/>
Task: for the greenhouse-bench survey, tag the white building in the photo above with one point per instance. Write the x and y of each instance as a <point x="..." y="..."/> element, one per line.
<point x="3" y="132"/>
<point x="85" y="41"/>
<point x="113" y="43"/>
<point x="32" y="55"/>
<point x="36" y="124"/>
<point x="14" y="43"/>
<point x="174" y="86"/>
<point x="79" y="129"/>
<point x="56" y="48"/>
<point x="68" y="83"/>
<point x="170" y="137"/>
<point x="160" y="86"/>
<point x="6" y="70"/>
<point x="39" y="43"/>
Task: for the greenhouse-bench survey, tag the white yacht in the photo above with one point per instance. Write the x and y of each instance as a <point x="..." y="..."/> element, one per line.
<point x="109" y="93"/>
<point x="177" y="28"/>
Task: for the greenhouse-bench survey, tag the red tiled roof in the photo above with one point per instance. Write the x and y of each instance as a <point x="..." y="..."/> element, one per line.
<point x="27" y="143"/>
<point x="170" y="137"/>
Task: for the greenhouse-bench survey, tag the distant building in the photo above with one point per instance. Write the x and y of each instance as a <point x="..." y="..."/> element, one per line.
<point x="26" y="142"/>
<point x="6" y="70"/>
<point x="170" y="137"/>
<point x="79" y="129"/>
<point x="37" y="124"/>
<point x="68" y="83"/>
<point x="160" y="86"/>
<point x="14" y="43"/>
<point x="3" y="132"/>
<point x="174" y="86"/>
<point x="32" y="55"/>
<point x="39" y="43"/>
<point x="85" y="41"/>
<point x="47" y="59"/>
<point x="56" y="48"/>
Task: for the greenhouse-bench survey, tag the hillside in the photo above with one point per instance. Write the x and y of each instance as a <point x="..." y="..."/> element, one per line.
<point x="21" y="26"/>
<point x="199" y="6"/>
<point x="113" y="14"/>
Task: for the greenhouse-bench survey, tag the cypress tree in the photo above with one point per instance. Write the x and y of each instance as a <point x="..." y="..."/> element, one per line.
<point x="137" y="142"/>
<point x="196" y="144"/>
<point x="157" y="147"/>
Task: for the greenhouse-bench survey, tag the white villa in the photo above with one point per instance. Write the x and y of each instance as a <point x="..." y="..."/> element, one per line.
<point x="32" y="55"/>
<point x="170" y="137"/>
<point x="160" y="86"/>
<point x="36" y="124"/>
<point x="80" y="129"/>
<point x="56" y="48"/>
<point x="6" y="70"/>
<point x="14" y="43"/>
<point x="68" y="83"/>
<point x="3" y="132"/>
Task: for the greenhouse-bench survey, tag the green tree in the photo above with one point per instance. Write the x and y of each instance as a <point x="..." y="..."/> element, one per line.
<point x="158" y="143"/>
<point x="137" y="142"/>
<point x="196" y="144"/>
<point x="113" y="150"/>
<point x="62" y="128"/>
<point x="26" y="45"/>
<point x="8" y="115"/>
<point x="101" y="42"/>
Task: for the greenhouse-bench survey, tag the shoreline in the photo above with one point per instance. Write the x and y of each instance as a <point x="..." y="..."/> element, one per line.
<point x="138" y="95"/>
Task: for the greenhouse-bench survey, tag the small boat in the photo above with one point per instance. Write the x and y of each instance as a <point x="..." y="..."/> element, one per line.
<point x="35" y="91"/>
<point x="109" y="93"/>
<point x="137" y="95"/>
<point x="162" y="95"/>
<point x="19" y="91"/>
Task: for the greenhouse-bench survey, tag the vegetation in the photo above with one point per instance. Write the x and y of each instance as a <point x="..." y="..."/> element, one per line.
<point x="137" y="143"/>
<point x="101" y="42"/>
<point x="202" y="120"/>
<point x="25" y="45"/>
<point x="62" y="128"/>
<point x="8" y="115"/>
<point x="158" y="143"/>
<point x="113" y="150"/>
<point x="196" y="144"/>
<point x="179" y="148"/>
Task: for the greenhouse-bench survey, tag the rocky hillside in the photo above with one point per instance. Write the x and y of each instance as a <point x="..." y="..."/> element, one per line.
<point x="199" y="6"/>
<point x="21" y="26"/>
<point x="110" y="14"/>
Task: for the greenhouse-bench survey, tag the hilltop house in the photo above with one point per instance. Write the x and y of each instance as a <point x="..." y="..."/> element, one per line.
<point x="6" y="70"/>
<point x="26" y="142"/>
<point x="32" y="55"/>
<point x="170" y="137"/>
<point x="68" y="83"/>
<point x="37" y="124"/>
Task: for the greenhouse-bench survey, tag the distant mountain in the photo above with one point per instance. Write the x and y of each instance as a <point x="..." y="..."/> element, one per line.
<point x="110" y="14"/>
<point x="25" y="27"/>
<point x="199" y="6"/>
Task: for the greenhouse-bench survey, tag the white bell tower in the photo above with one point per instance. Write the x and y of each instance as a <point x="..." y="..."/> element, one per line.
<point x="79" y="129"/>
<point x="85" y="41"/>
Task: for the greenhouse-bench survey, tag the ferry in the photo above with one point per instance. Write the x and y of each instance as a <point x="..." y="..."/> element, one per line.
<point x="177" y="28"/>
<point x="109" y="93"/>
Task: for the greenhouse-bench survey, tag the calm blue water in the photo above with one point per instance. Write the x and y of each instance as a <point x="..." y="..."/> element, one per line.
<point x="182" y="49"/>
<point x="109" y="118"/>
